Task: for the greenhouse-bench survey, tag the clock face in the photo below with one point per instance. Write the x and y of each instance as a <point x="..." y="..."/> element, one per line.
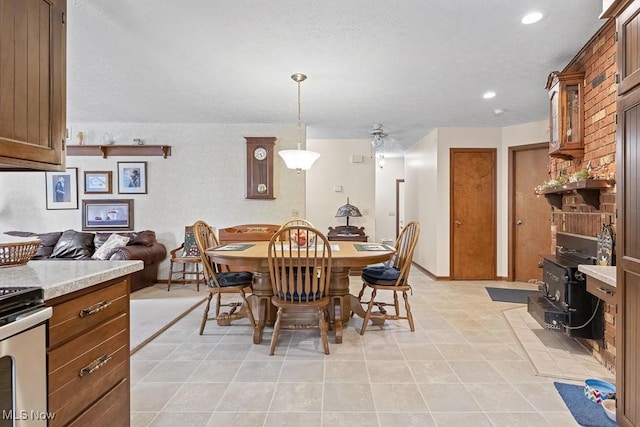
<point x="260" y="153"/>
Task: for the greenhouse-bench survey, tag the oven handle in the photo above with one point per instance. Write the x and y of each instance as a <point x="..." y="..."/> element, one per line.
<point x="24" y="321"/>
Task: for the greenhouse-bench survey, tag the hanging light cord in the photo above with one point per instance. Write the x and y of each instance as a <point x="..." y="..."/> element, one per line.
<point x="299" y="121"/>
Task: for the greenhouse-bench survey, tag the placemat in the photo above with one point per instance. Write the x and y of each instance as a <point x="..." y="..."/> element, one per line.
<point x="233" y="247"/>
<point x="372" y="247"/>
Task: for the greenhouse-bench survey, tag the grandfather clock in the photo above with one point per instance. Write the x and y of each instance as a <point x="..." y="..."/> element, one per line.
<point x="260" y="152"/>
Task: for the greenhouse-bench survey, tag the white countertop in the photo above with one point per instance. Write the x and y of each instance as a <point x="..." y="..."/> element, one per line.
<point x="62" y="277"/>
<point x="604" y="273"/>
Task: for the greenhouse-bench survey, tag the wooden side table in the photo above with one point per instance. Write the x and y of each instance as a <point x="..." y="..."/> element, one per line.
<point x="347" y="234"/>
<point x="344" y="233"/>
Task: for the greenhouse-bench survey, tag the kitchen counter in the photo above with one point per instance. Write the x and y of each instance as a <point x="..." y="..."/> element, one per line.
<point x="62" y="277"/>
<point x="604" y="273"/>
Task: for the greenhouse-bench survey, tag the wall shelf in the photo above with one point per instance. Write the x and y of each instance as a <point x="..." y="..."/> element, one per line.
<point x="119" y="150"/>
<point x="589" y="189"/>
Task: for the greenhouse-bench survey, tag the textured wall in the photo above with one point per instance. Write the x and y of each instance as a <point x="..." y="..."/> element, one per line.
<point x="203" y="179"/>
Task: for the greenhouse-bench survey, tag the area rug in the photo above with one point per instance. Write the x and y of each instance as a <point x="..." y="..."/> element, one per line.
<point x="511" y="295"/>
<point x="586" y="412"/>
<point x="153" y="310"/>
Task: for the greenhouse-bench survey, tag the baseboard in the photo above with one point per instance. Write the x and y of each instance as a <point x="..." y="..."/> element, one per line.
<point x="428" y="273"/>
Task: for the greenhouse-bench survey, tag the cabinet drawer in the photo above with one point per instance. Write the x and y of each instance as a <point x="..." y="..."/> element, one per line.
<point x="605" y="292"/>
<point x="112" y="410"/>
<point x="66" y="361"/>
<point x="71" y="394"/>
<point x="75" y="316"/>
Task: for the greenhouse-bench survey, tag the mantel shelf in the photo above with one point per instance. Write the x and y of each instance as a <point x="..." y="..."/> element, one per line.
<point x="589" y="189"/>
<point x="119" y="150"/>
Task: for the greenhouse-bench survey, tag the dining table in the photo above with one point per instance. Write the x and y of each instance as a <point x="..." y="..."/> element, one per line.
<point x="345" y="256"/>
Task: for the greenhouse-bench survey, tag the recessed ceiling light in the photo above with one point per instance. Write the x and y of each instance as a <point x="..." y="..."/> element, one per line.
<point x="531" y="18"/>
<point x="489" y="95"/>
<point x="498" y="111"/>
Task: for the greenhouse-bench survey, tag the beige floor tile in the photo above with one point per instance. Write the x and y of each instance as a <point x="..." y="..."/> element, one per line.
<point x="395" y="397"/>
<point x="237" y="419"/>
<point x="147" y="397"/>
<point x="449" y="398"/>
<point x="196" y="397"/>
<point x="471" y="361"/>
<point x="348" y="397"/>
<point x="297" y="397"/>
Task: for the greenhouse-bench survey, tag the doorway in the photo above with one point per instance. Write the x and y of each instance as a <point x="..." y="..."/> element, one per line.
<point x="399" y="206"/>
<point x="529" y="214"/>
<point x="473" y="214"/>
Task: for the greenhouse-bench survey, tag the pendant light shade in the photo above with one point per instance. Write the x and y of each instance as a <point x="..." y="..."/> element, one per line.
<point x="299" y="159"/>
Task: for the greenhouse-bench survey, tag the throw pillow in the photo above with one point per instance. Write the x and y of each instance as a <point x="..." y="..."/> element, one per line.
<point x="114" y="242"/>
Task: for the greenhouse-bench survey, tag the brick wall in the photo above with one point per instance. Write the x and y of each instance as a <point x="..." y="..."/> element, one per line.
<point x="598" y="60"/>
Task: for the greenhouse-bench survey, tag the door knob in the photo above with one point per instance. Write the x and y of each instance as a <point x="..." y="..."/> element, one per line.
<point x="458" y="222"/>
<point x="519" y="222"/>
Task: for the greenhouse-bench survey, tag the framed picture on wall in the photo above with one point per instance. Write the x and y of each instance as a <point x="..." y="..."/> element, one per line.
<point x="102" y="214"/>
<point x="132" y="177"/>
<point x="97" y="182"/>
<point x="62" y="189"/>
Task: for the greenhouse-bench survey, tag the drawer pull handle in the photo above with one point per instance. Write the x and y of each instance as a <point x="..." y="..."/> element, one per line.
<point x="95" y="365"/>
<point x="604" y="291"/>
<point x="94" y="308"/>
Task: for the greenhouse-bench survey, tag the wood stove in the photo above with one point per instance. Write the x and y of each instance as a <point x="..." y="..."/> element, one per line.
<point x="566" y="305"/>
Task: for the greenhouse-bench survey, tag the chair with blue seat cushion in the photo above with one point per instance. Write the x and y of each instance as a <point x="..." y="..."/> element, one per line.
<point x="391" y="276"/>
<point x="300" y="276"/>
<point x="222" y="281"/>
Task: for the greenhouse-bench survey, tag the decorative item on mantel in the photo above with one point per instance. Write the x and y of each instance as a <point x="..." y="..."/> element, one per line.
<point x="580" y="182"/>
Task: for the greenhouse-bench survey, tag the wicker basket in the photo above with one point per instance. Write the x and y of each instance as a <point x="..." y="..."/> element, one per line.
<point x="17" y="253"/>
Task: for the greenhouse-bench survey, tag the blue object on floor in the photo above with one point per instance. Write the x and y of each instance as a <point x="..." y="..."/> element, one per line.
<point x="586" y="412"/>
<point x="511" y="295"/>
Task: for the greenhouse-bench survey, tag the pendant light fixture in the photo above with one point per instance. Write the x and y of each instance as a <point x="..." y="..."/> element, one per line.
<point x="299" y="159"/>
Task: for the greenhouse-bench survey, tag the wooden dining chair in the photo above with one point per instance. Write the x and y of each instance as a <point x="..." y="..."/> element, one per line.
<point x="296" y="221"/>
<point x="188" y="256"/>
<point x="392" y="276"/>
<point x="300" y="269"/>
<point x="222" y="281"/>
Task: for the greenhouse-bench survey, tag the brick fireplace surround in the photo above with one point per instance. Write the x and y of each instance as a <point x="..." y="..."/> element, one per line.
<point x="598" y="60"/>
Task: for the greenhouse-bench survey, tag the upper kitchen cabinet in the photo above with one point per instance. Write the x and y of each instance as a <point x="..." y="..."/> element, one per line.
<point x="566" y="115"/>
<point x="32" y="84"/>
<point x="628" y="33"/>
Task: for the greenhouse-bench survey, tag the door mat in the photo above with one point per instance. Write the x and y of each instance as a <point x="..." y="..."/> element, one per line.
<point x="511" y="295"/>
<point x="586" y="412"/>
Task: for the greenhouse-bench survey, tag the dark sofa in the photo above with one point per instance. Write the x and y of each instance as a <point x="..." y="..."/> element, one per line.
<point x="79" y="245"/>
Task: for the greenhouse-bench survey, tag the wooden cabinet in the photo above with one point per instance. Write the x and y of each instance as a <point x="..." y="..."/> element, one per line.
<point x="32" y="84"/>
<point x="88" y="356"/>
<point x="628" y="27"/>
<point x="566" y="115"/>
<point x="627" y="201"/>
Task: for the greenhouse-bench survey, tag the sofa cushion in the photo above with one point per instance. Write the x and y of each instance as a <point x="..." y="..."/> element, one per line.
<point x="144" y="238"/>
<point x="75" y="245"/>
<point x="107" y="249"/>
<point x="48" y="241"/>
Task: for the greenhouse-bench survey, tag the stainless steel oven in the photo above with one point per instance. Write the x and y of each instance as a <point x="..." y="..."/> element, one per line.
<point x="23" y="367"/>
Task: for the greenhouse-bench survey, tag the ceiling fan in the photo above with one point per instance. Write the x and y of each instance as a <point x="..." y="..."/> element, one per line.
<point x="377" y="136"/>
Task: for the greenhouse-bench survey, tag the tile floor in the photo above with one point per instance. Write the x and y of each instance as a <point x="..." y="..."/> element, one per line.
<point x="463" y="366"/>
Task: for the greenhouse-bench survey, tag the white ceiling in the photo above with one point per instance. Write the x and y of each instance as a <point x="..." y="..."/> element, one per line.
<point x="412" y="65"/>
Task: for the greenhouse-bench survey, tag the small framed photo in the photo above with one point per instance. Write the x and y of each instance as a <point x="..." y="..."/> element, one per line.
<point x="62" y="189"/>
<point x="102" y="214"/>
<point x="97" y="182"/>
<point x="132" y="177"/>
